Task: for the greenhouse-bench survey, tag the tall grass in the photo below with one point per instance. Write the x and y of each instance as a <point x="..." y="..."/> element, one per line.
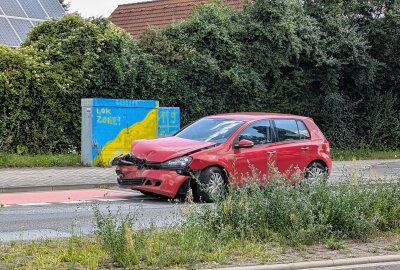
<point x="42" y="160"/>
<point x="251" y="216"/>
<point x="304" y="214"/>
<point x="133" y="249"/>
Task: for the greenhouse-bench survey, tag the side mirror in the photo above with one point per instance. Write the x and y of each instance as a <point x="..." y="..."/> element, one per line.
<point x="244" y="144"/>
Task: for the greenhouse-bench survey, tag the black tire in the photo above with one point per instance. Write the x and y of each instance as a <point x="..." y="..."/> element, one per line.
<point x="211" y="183"/>
<point x="316" y="171"/>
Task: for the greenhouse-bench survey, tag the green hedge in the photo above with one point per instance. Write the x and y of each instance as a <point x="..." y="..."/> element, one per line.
<point x="60" y="63"/>
<point x="338" y="63"/>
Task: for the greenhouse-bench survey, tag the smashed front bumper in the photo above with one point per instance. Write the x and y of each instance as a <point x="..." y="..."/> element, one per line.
<point x="150" y="177"/>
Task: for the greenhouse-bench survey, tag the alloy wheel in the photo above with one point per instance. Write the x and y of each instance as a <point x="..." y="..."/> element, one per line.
<point x="215" y="185"/>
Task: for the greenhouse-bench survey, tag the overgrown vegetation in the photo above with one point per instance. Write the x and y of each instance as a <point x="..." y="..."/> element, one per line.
<point x="73" y="253"/>
<point x="279" y="213"/>
<point x="40" y="160"/>
<point x="336" y="61"/>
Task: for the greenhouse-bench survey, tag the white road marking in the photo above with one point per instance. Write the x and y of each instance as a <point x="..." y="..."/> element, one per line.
<point x="111" y="200"/>
<point x="66" y="202"/>
<point x="32" y="204"/>
<point x="74" y="202"/>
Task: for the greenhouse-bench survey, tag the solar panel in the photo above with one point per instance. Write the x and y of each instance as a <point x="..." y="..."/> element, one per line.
<point x="22" y="27"/>
<point x="11" y="8"/>
<point x="17" y="17"/>
<point x="7" y="35"/>
<point x="33" y="9"/>
<point x="53" y="8"/>
<point x="35" y="22"/>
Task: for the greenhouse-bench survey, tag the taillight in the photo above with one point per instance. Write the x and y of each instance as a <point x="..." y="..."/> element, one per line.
<point x="325" y="146"/>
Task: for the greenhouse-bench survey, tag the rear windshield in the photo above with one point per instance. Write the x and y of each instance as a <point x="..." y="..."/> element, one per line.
<point x="210" y="130"/>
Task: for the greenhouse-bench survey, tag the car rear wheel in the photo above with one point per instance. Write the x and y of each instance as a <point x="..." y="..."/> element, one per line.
<point x="211" y="184"/>
<point x="315" y="172"/>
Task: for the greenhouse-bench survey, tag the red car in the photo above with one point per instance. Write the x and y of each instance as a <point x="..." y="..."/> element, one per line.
<point x="224" y="148"/>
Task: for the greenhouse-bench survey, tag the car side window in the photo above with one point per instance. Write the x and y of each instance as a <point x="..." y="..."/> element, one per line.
<point x="303" y="131"/>
<point x="287" y="130"/>
<point x="259" y="133"/>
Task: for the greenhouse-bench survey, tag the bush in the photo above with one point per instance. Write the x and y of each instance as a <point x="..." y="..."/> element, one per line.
<point x="61" y="62"/>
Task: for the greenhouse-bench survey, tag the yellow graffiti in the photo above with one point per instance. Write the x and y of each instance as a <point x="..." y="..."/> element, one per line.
<point x="103" y="111"/>
<point x="110" y="120"/>
<point x="145" y="129"/>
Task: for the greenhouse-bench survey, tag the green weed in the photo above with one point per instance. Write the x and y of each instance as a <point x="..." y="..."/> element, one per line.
<point x="43" y="160"/>
<point x="303" y="214"/>
<point x="335" y="244"/>
<point x="73" y="253"/>
<point x="248" y="221"/>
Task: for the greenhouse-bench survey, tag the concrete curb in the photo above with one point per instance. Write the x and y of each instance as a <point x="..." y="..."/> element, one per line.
<point x="318" y="264"/>
<point x="55" y="188"/>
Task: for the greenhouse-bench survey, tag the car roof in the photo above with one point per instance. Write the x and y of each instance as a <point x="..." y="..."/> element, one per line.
<point x="251" y="116"/>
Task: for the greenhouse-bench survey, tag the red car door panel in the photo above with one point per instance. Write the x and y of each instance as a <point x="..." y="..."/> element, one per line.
<point x="251" y="163"/>
<point x="293" y="147"/>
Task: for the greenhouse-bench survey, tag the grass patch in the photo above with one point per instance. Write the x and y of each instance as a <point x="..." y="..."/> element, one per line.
<point x="335" y="244"/>
<point x="73" y="253"/>
<point x="364" y="154"/>
<point x="43" y="160"/>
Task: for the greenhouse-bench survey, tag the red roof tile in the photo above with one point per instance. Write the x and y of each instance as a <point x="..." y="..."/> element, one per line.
<point x="137" y="17"/>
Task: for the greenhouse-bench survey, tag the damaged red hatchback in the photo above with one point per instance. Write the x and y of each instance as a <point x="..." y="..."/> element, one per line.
<point x="221" y="149"/>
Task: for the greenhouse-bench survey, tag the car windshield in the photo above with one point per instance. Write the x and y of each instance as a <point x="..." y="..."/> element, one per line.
<point x="210" y="130"/>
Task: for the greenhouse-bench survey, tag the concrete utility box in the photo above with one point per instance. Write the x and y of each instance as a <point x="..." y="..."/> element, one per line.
<point x="110" y="125"/>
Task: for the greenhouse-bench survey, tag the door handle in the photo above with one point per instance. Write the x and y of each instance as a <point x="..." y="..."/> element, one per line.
<point x="271" y="152"/>
<point x="304" y="148"/>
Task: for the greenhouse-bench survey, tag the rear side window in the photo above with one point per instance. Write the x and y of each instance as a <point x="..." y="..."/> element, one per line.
<point x="287" y="130"/>
<point x="303" y="131"/>
<point x="259" y="133"/>
<point x="291" y="130"/>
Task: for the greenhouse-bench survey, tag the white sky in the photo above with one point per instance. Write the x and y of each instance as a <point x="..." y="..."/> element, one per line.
<point x="90" y="8"/>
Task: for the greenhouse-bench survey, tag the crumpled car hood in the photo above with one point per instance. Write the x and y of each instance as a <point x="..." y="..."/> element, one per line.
<point x="160" y="150"/>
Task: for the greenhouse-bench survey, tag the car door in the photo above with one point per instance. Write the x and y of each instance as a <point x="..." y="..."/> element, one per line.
<point x="292" y="146"/>
<point x="251" y="163"/>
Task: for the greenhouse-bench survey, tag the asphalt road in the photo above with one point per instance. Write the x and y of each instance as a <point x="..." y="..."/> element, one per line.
<point x="58" y="220"/>
<point x="62" y="220"/>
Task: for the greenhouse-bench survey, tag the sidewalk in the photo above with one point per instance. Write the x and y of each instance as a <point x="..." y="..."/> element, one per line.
<point x="389" y="262"/>
<point x="45" y="179"/>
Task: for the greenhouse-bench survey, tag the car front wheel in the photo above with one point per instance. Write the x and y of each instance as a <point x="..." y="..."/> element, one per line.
<point x="211" y="184"/>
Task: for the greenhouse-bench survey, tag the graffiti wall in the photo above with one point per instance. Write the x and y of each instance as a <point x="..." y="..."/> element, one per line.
<point x="110" y="125"/>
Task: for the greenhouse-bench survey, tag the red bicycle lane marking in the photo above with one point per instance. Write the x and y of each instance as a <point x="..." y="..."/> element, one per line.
<point x="61" y="196"/>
